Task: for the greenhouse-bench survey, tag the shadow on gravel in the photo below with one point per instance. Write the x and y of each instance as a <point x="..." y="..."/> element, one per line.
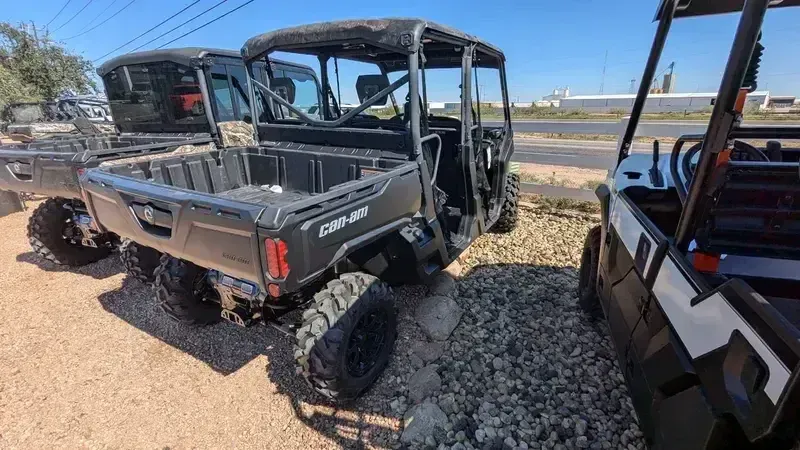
<point x="99" y="270"/>
<point x="227" y="348"/>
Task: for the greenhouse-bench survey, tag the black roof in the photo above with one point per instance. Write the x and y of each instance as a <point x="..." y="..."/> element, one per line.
<point x="182" y="55"/>
<point x="693" y="8"/>
<point x="401" y="35"/>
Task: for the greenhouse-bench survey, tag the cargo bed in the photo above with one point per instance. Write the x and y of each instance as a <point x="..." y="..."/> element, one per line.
<point x="215" y="209"/>
<point x="50" y="167"/>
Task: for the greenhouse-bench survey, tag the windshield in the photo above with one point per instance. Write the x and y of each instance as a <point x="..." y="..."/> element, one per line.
<point x="357" y="92"/>
<point x="307" y="93"/>
<point x="161" y="93"/>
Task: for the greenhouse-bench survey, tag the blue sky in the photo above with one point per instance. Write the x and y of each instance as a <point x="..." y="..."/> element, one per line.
<point x="547" y="43"/>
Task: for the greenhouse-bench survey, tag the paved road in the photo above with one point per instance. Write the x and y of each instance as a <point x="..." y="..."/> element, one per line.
<point x="558" y="191"/>
<point x="654" y="128"/>
<point x="565" y="152"/>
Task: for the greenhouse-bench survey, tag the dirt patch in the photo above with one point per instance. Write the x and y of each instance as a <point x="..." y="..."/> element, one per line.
<point x="573" y="177"/>
<point x="89" y="361"/>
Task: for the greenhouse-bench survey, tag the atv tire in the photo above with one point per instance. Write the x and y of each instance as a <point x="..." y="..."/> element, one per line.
<point x="347" y="336"/>
<point x="46" y="229"/>
<point x="140" y="262"/>
<point x="182" y="292"/>
<point x="510" y="210"/>
<point x="588" y="299"/>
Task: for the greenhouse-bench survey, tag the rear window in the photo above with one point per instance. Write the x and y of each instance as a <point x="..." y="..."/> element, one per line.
<point x="166" y="94"/>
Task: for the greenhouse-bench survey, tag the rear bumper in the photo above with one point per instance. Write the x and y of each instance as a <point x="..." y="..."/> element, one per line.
<point x="53" y="176"/>
<point x="209" y="231"/>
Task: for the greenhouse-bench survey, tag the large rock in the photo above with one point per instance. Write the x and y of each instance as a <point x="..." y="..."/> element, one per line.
<point x="428" y="352"/>
<point x="438" y="316"/>
<point x="10" y="202"/>
<point x="236" y="134"/>
<point x="443" y="284"/>
<point x="424" y="383"/>
<point x="422" y="421"/>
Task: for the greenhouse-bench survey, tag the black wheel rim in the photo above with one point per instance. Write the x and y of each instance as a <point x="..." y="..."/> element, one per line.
<point x="366" y="343"/>
<point x="72" y="233"/>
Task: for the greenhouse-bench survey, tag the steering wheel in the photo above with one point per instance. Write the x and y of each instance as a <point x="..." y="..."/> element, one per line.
<point x="742" y="151"/>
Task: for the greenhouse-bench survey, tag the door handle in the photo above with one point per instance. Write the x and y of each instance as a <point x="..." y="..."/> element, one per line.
<point x="642" y="253"/>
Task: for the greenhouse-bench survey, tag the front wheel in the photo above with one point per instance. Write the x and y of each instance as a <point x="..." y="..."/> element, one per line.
<point x="588" y="299"/>
<point x="347" y="336"/>
<point x="510" y="210"/>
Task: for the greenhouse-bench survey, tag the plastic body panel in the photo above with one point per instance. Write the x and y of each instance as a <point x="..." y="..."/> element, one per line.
<point x="206" y="208"/>
<point x="51" y="167"/>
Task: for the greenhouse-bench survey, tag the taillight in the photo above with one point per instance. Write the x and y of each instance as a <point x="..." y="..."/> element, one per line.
<point x="274" y="290"/>
<point x="277" y="267"/>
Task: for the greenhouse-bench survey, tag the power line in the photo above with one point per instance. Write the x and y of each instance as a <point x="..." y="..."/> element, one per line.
<point x="207" y="23"/>
<point x="174" y="28"/>
<point x="59" y="12"/>
<point x="73" y="16"/>
<point x="101" y="23"/>
<point x="151" y="29"/>
<point x="98" y="16"/>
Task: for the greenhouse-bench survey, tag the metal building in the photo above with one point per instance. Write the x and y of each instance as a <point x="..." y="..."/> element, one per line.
<point x="655" y="102"/>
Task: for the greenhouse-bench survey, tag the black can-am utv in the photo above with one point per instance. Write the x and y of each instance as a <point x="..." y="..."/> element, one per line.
<point x="696" y="265"/>
<point x="173" y="100"/>
<point x="330" y="206"/>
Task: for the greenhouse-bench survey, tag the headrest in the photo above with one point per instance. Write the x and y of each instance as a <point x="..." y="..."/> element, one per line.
<point x="284" y="87"/>
<point x="369" y="85"/>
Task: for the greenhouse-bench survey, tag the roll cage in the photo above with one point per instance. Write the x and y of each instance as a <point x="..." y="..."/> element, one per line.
<point x="393" y="45"/>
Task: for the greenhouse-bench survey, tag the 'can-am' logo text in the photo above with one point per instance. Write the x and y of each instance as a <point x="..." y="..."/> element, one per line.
<point x="340" y="223"/>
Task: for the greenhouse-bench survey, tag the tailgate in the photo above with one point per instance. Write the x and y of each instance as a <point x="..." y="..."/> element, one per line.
<point x="322" y="230"/>
<point x="210" y="231"/>
<point x="46" y="173"/>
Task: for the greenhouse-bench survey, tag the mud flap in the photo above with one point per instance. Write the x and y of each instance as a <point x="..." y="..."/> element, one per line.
<point x="10" y="202"/>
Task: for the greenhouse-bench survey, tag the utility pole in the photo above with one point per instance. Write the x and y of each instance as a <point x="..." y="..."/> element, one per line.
<point x="632" y="89"/>
<point x="603" y="82"/>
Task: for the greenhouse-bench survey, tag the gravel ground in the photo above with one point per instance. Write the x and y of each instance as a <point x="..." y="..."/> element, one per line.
<point x="89" y="361"/>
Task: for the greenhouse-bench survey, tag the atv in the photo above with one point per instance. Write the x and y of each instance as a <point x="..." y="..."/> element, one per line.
<point x="696" y="263"/>
<point x="331" y="207"/>
<point x="144" y="90"/>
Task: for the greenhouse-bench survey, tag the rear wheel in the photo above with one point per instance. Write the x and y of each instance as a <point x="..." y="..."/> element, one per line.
<point x="510" y="210"/>
<point x="140" y="262"/>
<point x="54" y="235"/>
<point x="184" y="293"/>
<point x="347" y="336"/>
<point x="588" y="299"/>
